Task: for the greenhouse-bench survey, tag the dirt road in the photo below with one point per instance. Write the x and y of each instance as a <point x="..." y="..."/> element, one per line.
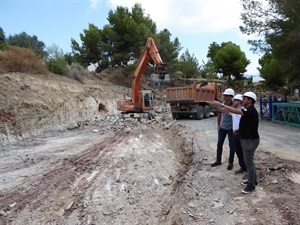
<point x="149" y="173"/>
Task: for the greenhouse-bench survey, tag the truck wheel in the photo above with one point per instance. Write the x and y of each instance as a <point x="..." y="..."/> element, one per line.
<point x="206" y="111"/>
<point x="175" y="116"/>
<point x="200" y="112"/>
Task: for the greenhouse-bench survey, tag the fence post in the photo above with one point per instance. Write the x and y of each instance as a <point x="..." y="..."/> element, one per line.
<point x="260" y="107"/>
<point x="270" y="107"/>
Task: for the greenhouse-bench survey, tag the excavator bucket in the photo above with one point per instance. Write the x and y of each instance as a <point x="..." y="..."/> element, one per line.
<point x="159" y="80"/>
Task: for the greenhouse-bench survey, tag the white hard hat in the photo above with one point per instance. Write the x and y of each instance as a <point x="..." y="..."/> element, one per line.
<point x="250" y="94"/>
<point x="238" y="97"/>
<point x="229" y="91"/>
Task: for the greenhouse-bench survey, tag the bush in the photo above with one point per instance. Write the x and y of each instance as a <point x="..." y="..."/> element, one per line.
<point x="56" y="61"/>
<point x="77" y="72"/>
<point x="23" y="60"/>
<point x="57" y="65"/>
<point x="237" y="83"/>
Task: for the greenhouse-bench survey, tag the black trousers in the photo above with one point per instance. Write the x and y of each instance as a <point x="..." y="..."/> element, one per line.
<point x="239" y="151"/>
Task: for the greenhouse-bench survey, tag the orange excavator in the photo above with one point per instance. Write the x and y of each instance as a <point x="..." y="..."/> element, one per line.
<point x="141" y="102"/>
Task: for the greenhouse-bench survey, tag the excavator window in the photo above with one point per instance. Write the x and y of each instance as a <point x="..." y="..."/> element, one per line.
<point x="147" y="100"/>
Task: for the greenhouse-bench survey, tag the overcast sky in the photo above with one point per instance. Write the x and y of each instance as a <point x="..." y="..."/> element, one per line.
<point x="197" y="23"/>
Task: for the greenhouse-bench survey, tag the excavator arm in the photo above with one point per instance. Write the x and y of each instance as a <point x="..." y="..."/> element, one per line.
<point x="149" y="51"/>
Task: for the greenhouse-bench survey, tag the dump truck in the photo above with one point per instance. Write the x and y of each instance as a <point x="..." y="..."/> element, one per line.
<point x="190" y="101"/>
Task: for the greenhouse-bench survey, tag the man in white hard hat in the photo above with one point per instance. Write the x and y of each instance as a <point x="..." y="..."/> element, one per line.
<point x="249" y="136"/>
<point x="237" y="103"/>
<point x="225" y="128"/>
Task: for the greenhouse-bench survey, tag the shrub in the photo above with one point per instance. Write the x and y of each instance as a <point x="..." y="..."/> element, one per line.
<point x="23" y="60"/>
<point x="56" y="61"/>
<point x="128" y="70"/>
<point x="58" y="66"/>
<point x="237" y="83"/>
<point x="77" y="72"/>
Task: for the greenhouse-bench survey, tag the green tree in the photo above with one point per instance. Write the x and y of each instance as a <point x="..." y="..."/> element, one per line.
<point x="270" y="72"/>
<point x="127" y="32"/>
<point x="207" y="70"/>
<point x="213" y="49"/>
<point x="26" y="41"/>
<point x="2" y="36"/>
<point x="188" y="65"/>
<point x="93" y="48"/>
<point x="229" y="60"/>
<point x="123" y="39"/>
<point x="278" y="25"/>
<point x="56" y="61"/>
<point x="168" y="50"/>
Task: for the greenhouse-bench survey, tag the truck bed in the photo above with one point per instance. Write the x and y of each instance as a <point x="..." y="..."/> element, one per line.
<point x="190" y="94"/>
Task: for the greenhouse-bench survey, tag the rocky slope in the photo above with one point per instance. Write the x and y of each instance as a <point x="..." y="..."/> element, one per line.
<point x="33" y="104"/>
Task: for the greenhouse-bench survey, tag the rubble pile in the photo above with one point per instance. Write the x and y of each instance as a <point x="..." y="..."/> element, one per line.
<point x="111" y="122"/>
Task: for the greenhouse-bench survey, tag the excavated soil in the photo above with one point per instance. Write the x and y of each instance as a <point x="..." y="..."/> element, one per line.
<point x="67" y="158"/>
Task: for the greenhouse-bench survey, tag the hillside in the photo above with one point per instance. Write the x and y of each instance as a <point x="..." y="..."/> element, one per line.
<point x="35" y="104"/>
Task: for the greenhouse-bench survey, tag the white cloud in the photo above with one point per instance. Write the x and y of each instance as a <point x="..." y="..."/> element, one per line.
<point x="190" y="16"/>
<point x="94" y="3"/>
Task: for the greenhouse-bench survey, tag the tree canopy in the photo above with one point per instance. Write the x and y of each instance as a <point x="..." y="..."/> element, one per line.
<point x="188" y="65"/>
<point x="26" y="41"/>
<point x="168" y="50"/>
<point x="270" y="71"/>
<point x="2" y="36"/>
<point x="277" y="23"/>
<point x="207" y="70"/>
<point x="228" y="59"/>
<point x="122" y="39"/>
<point x="92" y="49"/>
<point x="126" y="32"/>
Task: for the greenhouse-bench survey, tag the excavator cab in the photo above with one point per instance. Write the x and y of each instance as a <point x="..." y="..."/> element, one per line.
<point x="148" y="98"/>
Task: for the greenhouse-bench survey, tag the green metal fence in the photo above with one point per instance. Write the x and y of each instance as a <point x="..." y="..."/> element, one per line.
<point x="286" y="113"/>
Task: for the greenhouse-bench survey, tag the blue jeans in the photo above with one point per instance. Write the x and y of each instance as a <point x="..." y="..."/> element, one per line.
<point x="221" y="138"/>
<point x="249" y="146"/>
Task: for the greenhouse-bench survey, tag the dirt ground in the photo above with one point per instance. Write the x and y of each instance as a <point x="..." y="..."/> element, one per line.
<point x="61" y="165"/>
